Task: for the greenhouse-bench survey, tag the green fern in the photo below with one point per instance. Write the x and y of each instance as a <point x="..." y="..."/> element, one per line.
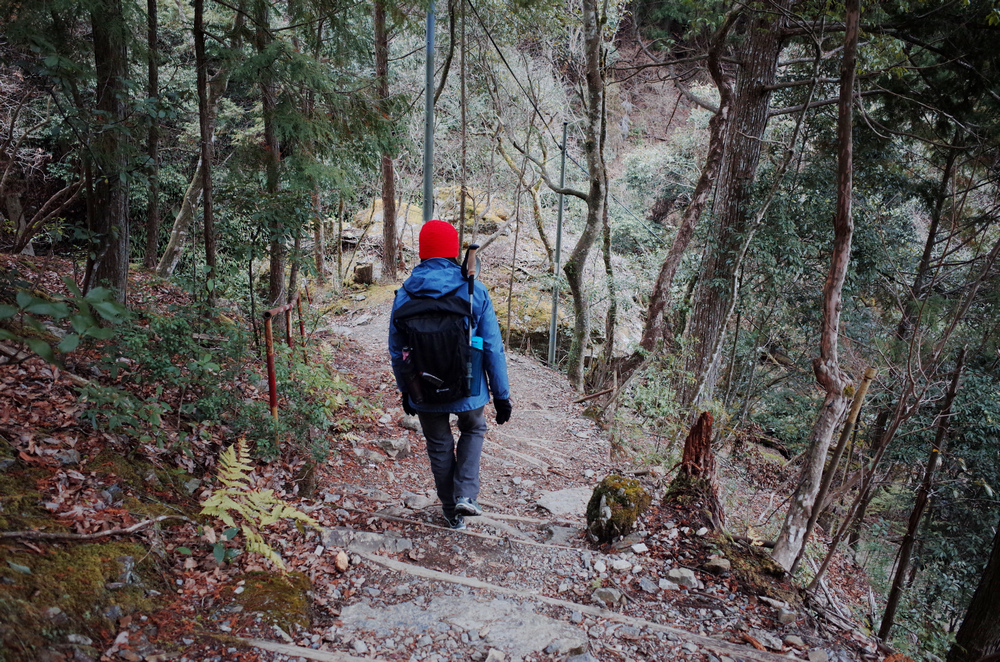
<point x="241" y="507"/>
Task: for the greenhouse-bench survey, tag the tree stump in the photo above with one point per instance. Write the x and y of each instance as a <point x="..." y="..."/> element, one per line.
<point x="695" y="480"/>
<point x="364" y="274"/>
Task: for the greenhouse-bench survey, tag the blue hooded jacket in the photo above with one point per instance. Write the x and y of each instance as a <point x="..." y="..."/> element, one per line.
<point x="435" y="278"/>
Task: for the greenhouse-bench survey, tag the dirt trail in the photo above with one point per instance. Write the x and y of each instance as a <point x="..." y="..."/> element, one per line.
<point x="522" y="583"/>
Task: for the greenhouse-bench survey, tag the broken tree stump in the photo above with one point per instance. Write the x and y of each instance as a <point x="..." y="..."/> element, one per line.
<point x="694" y="485"/>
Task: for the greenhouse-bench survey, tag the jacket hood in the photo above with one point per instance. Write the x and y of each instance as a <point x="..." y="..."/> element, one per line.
<point x="435" y="278"/>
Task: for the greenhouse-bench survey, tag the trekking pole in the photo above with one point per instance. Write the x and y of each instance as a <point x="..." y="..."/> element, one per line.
<point x="469" y="267"/>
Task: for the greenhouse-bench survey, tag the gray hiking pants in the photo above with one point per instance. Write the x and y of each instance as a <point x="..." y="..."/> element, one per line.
<point x="455" y="469"/>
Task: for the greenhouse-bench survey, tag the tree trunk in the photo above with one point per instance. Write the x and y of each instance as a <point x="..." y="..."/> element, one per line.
<point x="389" y="249"/>
<point x="152" y="140"/>
<point x="277" y="249"/>
<point x="205" y="126"/>
<point x="919" y="503"/>
<point x="319" y="238"/>
<point x="820" y="502"/>
<point x="714" y="295"/>
<point x="827" y="366"/>
<point x="980" y="631"/>
<point x="575" y="266"/>
<point x="192" y="196"/>
<point x="696" y="474"/>
<point x="658" y="300"/>
<point x="110" y="220"/>
<point x="918" y="290"/>
<point x="182" y="226"/>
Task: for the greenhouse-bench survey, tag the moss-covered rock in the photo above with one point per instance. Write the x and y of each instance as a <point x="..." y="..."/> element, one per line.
<point x="615" y="506"/>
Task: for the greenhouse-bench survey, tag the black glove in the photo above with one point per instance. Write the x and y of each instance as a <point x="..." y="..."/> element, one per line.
<point x="503" y="410"/>
<point x="407" y="407"/>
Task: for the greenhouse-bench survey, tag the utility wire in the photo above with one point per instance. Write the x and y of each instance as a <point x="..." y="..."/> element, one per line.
<point x="548" y="127"/>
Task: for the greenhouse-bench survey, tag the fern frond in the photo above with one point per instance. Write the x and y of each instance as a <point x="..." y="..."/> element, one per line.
<point x="235" y="465"/>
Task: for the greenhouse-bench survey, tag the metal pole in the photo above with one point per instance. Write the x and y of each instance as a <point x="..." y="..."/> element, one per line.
<point x="272" y="385"/>
<point x="429" y="118"/>
<point x="553" y="330"/>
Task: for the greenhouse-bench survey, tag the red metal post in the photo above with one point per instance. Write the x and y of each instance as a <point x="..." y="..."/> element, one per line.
<point x="272" y="383"/>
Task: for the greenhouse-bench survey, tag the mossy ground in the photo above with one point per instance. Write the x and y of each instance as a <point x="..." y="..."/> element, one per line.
<point x="757" y="572"/>
<point x="65" y="591"/>
<point x="281" y="600"/>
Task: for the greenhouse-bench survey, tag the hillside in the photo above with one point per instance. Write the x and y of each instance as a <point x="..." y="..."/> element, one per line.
<point x="383" y="579"/>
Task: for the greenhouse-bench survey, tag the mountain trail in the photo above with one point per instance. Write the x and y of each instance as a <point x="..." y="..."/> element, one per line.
<point x="522" y="582"/>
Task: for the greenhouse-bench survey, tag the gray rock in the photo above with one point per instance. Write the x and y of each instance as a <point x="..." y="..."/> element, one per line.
<point x="359" y="647"/>
<point x="608" y="596"/>
<point x="777" y="604"/>
<point x="67" y="456"/>
<point x="6" y="463"/>
<point x="703" y="531"/>
<point x="410" y="423"/>
<point x="718" y="566"/>
<point x="629" y="540"/>
<point x="417" y="501"/>
<point x="191" y="485"/>
<point x="767" y="639"/>
<point x="79" y="639"/>
<point x="364" y="541"/>
<point x="628" y="632"/>
<point x="787" y="616"/>
<point x="495" y="656"/>
<point x="683" y="577"/>
<point x="794" y="640"/>
<point x="621" y="565"/>
<point x="667" y="585"/>
<point x="586" y="657"/>
<point x="561" y="535"/>
<point x="395" y="447"/>
<point x="647" y="585"/>
<point x="818" y="655"/>
<point x="503" y="624"/>
<point x="572" y="501"/>
<point x="56" y="615"/>
<point x="576" y="618"/>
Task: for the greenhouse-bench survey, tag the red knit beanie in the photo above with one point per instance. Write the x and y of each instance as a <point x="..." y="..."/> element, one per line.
<point x="438" y="239"/>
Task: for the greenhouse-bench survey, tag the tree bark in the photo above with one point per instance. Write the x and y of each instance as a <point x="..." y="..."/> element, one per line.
<point x="820" y="501"/>
<point x="920" y="503"/>
<point x="660" y="297"/>
<point x="277" y="249"/>
<point x="389" y="249"/>
<point x="979" y="634"/>
<point x="319" y="237"/>
<point x="110" y="213"/>
<point x="181" y="226"/>
<point x="575" y="266"/>
<point x="696" y="474"/>
<point x="714" y="295"/>
<point x="918" y="290"/>
<point x="827" y="365"/>
<point x="205" y="126"/>
<point x="192" y="195"/>
<point x="152" y="139"/>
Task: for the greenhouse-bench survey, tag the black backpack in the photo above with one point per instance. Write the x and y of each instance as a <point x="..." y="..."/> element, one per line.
<point x="436" y="352"/>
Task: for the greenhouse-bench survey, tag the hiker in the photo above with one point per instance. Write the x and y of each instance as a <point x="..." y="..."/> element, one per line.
<point x="432" y="349"/>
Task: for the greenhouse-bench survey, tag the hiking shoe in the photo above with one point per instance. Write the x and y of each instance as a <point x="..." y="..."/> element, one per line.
<point x="456" y="522"/>
<point x="467" y="506"/>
